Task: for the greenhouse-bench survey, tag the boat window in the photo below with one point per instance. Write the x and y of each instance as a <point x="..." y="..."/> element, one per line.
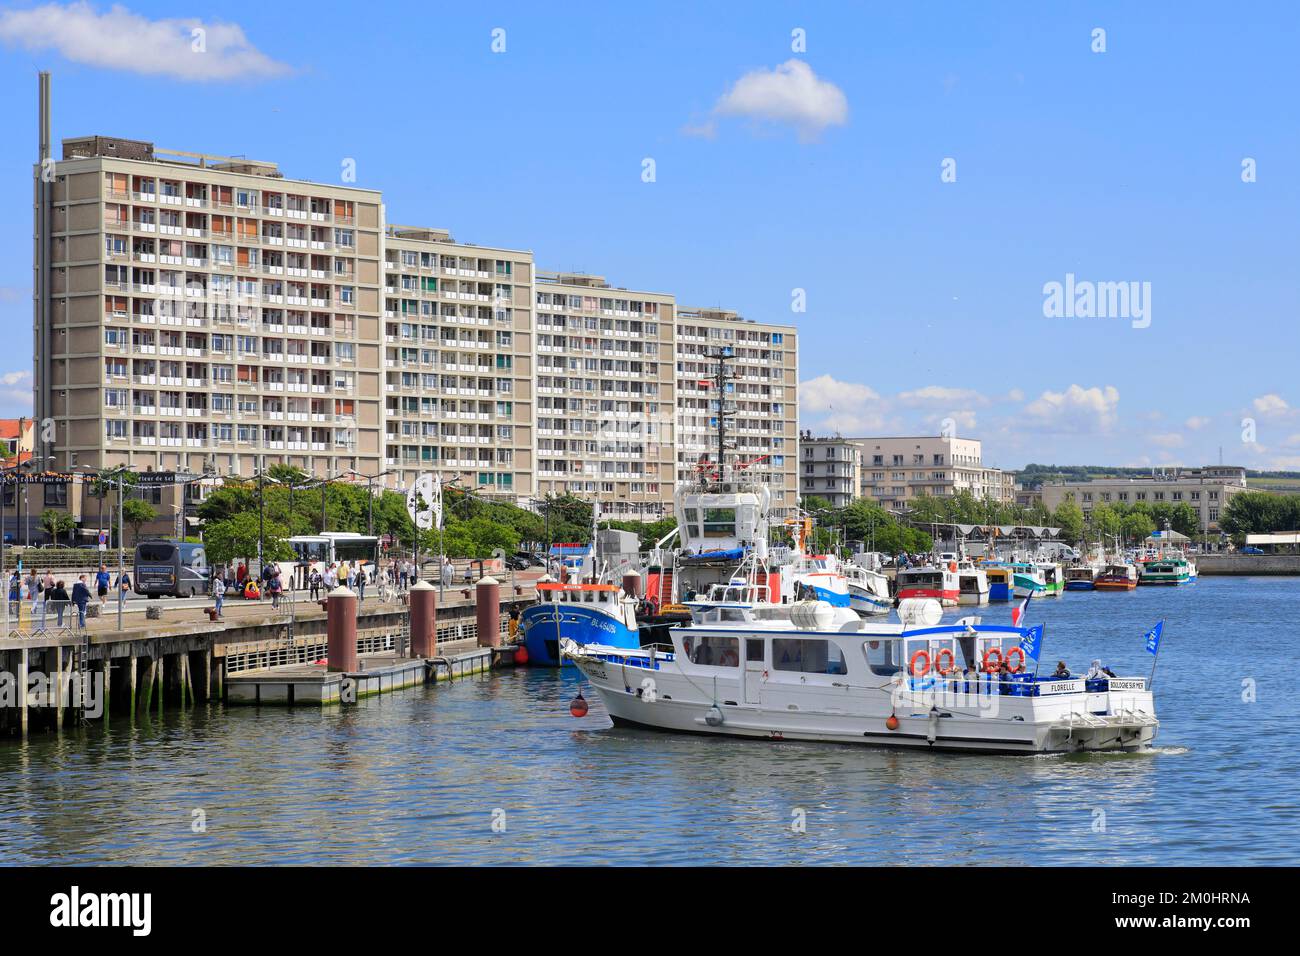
<point x="807" y="656"/>
<point x="732" y="614"/>
<point x="719" y="522"/>
<point x="881" y="657"/>
<point x="715" y="650"/>
<point x="753" y="649"/>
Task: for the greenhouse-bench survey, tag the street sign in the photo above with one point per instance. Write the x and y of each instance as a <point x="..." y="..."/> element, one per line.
<point x="103" y="541"/>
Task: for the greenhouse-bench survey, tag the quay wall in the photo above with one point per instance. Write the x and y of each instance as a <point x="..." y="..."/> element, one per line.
<point x="1246" y="564"/>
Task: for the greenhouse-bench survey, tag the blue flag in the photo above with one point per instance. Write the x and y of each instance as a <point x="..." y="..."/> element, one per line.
<point x="1031" y="642"/>
<point x="1153" y="638"/>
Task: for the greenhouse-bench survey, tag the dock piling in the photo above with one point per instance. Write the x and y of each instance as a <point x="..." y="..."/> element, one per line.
<point x="487" y="612"/>
<point x="423" y="619"/>
<point x="341" y="629"/>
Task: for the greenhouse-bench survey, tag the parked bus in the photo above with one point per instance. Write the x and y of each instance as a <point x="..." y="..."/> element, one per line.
<point x="174" y="568"/>
<point x="319" y="551"/>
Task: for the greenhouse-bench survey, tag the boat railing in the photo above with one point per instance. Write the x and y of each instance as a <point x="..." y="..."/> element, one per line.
<point x="1026" y="684"/>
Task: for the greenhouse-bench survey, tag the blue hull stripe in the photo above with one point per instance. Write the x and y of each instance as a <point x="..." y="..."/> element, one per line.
<point x="579" y="624"/>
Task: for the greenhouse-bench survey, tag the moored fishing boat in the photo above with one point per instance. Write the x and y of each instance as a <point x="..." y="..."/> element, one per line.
<point x="1116" y="577"/>
<point x="867" y="682"/>
<point x="938" y="583"/>
<point x="1001" y="582"/>
<point x="580" y="613"/>
<point x="1027" y="580"/>
<point x="972" y="585"/>
<point x="1167" y="571"/>
<point x="1081" y="577"/>
<point x="1053" y="579"/>
<point x="868" y="590"/>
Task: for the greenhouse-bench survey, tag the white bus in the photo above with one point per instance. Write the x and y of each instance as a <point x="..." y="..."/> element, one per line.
<point x="319" y="551"/>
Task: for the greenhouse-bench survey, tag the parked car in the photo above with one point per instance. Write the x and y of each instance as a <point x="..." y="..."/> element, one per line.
<point x="533" y="559"/>
<point x="516" y="563"/>
<point x="1251" y="549"/>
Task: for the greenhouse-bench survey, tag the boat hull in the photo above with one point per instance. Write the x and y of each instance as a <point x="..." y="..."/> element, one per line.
<point x="945" y="597"/>
<point x="917" y="729"/>
<point x="868" y="603"/>
<point x="580" y="624"/>
<point x="1001" y="591"/>
<point x="1115" y="585"/>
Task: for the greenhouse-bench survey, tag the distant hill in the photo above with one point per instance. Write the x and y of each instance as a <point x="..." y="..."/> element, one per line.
<point x="1033" y="476"/>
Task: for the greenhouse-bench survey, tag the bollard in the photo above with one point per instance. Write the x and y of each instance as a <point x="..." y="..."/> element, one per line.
<point x="487" y="612"/>
<point x="424" y="634"/>
<point x="341" y="627"/>
<point x="632" y="584"/>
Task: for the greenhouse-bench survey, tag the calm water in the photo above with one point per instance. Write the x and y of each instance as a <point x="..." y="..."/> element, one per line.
<point x="416" y="777"/>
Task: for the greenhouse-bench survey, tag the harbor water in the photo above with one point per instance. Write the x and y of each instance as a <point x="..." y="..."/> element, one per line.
<point x="494" y="770"/>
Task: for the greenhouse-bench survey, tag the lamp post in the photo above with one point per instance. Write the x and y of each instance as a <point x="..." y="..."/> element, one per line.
<point x="117" y="477"/>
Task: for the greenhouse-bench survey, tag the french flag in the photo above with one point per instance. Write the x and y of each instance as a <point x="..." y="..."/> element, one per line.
<point x="1018" y="613"/>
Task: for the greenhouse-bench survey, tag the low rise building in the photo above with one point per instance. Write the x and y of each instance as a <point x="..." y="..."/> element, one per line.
<point x="1207" y="490"/>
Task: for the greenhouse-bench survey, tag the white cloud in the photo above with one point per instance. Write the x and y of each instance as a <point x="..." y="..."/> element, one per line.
<point x="1270" y="405"/>
<point x="790" y="94"/>
<point x="121" y="40"/>
<point x="1166" y="440"/>
<point x="15" y="393"/>
<point x="845" y="407"/>
<point x="1195" y="423"/>
<point x="1076" y="410"/>
<point x="939" y="395"/>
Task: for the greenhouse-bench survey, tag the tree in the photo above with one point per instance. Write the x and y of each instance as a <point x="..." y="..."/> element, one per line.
<point x="1069" y="518"/>
<point x="137" y="513"/>
<point x="1137" y="526"/>
<point x="1104" y="521"/>
<point x="56" y="523"/>
<point x="234" y="538"/>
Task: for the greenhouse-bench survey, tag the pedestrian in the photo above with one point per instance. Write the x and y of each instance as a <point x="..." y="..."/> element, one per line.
<point x="81" y="597"/>
<point x="361" y="584"/>
<point x="123" y="587"/>
<point x="401" y="577"/>
<point x="274" y="586"/>
<point x="446" y="572"/>
<point x="58" y="595"/>
<point x="101" y="583"/>
<point x="315" y="580"/>
<point x="241" y="575"/>
<point x="219" y="591"/>
<point x="513" y="626"/>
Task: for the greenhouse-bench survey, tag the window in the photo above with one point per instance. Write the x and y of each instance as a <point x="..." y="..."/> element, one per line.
<point x="713" y="650"/>
<point x="807" y="656"/>
<point x="881" y="657"/>
<point x="56" y="494"/>
<point x="754" y="649"/>
<point x="719" y="522"/>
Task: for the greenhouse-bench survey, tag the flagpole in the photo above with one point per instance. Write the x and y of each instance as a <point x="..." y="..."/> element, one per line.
<point x="1160" y="640"/>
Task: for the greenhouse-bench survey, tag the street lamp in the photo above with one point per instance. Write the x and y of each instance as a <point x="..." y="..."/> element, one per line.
<point x="370" y="479"/>
<point x="116" y="477"/>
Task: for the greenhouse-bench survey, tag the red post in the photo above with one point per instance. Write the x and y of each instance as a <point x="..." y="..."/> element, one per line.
<point x="632" y="584"/>
<point x="487" y="612"/>
<point x="424" y="616"/>
<point x="341" y="628"/>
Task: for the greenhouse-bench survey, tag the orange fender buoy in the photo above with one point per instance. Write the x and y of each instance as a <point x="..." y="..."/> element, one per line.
<point x="578" y="706"/>
<point x="891" y="722"/>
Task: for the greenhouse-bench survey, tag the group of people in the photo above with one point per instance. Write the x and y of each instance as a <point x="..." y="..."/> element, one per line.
<point x="1095" y="672"/>
<point x="40" y="594"/>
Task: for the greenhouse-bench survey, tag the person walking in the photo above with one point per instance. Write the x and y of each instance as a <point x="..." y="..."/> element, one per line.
<point x="123" y="588"/>
<point x="315" y="581"/>
<point x="361" y="583"/>
<point x="81" y="597"/>
<point x="58" y="596"/>
<point x="274" y="585"/>
<point x="219" y="590"/>
<point x="101" y="583"/>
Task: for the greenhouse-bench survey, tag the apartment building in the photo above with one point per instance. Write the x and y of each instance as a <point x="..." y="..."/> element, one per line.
<point x="458" y="362"/>
<point x="761" y="406"/>
<point x="897" y="470"/>
<point x="830" y="468"/>
<point x="1206" y="489"/>
<point x="605" y="394"/>
<point x="207" y="313"/>
<point x="200" y="314"/>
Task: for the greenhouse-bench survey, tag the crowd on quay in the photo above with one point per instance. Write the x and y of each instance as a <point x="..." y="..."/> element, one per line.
<point x="39" y="597"/>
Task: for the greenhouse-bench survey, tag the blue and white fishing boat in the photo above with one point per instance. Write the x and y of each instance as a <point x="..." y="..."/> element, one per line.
<point x="1028" y="580"/>
<point x="582" y="613"/>
<point x="868" y="590"/>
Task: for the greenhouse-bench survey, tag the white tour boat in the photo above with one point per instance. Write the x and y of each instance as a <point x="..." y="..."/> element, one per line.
<point x="911" y="684"/>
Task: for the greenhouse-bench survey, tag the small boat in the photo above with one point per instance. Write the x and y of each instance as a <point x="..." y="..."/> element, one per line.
<point x="1053" y="579"/>
<point x="936" y="583"/>
<point x="868" y="590"/>
<point x="1082" y="577"/>
<point x="1116" y="577"/>
<point x="1001" y="582"/>
<point x="972" y="585"/>
<point x="1027" y="580"/>
<point x="908" y="684"/>
<point x="1170" y="571"/>
<point x="581" y="613"/>
<point x="819" y="577"/>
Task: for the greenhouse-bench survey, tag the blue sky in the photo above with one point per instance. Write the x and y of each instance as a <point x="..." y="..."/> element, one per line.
<point x="925" y="298"/>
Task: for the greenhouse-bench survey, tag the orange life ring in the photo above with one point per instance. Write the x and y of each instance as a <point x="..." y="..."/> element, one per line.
<point x="912" y="664"/>
<point x="1019" y="667"/>
<point x="939" y="668"/>
<point x="992" y="668"/>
